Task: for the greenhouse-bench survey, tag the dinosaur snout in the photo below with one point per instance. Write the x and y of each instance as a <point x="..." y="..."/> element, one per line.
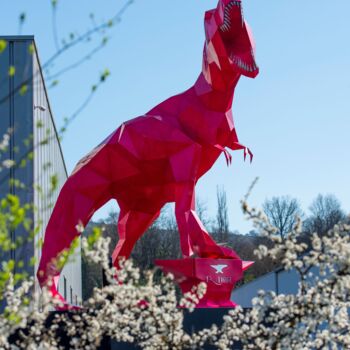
<point x="236" y="36"/>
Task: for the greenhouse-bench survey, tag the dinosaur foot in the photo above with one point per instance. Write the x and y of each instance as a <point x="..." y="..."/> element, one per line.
<point x="215" y="252"/>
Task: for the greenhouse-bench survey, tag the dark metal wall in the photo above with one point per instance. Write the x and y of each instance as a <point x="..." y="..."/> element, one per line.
<point x="16" y="117"/>
<point x="34" y="146"/>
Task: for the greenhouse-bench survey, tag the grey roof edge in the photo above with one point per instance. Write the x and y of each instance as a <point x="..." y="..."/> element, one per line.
<point x="273" y="272"/>
<point x="17" y="37"/>
<point x="49" y="105"/>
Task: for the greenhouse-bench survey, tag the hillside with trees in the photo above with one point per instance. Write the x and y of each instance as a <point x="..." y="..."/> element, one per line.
<point x="161" y="240"/>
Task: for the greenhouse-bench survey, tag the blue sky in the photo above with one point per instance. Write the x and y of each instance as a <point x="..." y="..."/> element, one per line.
<point x="294" y="115"/>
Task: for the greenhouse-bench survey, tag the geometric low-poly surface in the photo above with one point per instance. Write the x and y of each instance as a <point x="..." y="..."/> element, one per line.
<point x="219" y="275"/>
<point x="158" y="157"/>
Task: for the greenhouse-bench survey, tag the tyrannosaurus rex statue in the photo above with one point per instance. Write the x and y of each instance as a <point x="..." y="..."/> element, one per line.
<point x="159" y="157"/>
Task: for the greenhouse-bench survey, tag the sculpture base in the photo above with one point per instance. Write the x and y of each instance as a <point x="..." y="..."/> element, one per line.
<point x="220" y="276"/>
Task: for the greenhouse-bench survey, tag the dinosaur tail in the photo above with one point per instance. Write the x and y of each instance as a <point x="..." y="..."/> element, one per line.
<point x="83" y="193"/>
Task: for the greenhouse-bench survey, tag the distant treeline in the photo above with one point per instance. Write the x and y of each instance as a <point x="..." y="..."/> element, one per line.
<point x="161" y="241"/>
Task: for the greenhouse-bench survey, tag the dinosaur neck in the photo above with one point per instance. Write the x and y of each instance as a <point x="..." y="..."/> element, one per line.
<point x="219" y="100"/>
<point x="219" y="77"/>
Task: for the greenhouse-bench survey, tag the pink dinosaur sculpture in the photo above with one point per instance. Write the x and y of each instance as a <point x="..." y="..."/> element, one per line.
<point x="159" y="157"/>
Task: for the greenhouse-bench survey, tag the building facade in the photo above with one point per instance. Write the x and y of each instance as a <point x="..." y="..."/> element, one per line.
<point x="279" y="281"/>
<point x="39" y="171"/>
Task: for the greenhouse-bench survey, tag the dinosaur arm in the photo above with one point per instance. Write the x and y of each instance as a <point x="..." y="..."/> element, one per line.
<point x="235" y="145"/>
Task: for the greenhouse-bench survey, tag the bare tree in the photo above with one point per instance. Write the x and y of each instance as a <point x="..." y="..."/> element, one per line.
<point x="222" y="223"/>
<point x="325" y="211"/>
<point x="245" y="245"/>
<point x="112" y="217"/>
<point x="160" y="241"/>
<point x="202" y="211"/>
<point x="282" y="213"/>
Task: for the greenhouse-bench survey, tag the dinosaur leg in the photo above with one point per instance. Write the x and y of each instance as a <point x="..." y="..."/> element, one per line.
<point x="82" y="194"/>
<point x="131" y="225"/>
<point x="193" y="236"/>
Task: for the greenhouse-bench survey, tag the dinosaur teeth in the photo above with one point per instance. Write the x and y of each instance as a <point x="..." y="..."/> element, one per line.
<point x="225" y="27"/>
<point x="227" y="18"/>
<point x="233" y="3"/>
<point x="229" y="7"/>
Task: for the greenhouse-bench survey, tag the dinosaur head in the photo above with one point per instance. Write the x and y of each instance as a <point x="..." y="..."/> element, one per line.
<point x="236" y="36"/>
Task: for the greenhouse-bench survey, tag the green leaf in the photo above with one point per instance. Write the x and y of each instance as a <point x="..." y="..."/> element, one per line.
<point x="47" y="166"/>
<point x="104" y="75"/>
<point x="8" y="266"/>
<point x="3" y="45"/>
<point x="14" y="318"/>
<point x="31" y="48"/>
<point x="32" y="261"/>
<point x="12" y="71"/>
<point x="94" y="237"/>
<point x="54" y="83"/>
<point x="44" y="142"/>
<point x="27" y="224"/>
<point x="30" y="156"/>
<point x="53" y="182"/>
<point x="39" y="124"/>
<point x="23" y="163"/>
<point x="23" y="89"/>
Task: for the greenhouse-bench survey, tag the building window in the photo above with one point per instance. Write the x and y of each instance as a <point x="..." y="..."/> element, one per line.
<point x="71" y="295"/>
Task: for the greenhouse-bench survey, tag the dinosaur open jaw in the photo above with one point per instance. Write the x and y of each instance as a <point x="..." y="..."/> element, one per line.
<point x="237" y="39"/>
<point x="233" y="16"/>
<point x="241" y="53"/>
<point x="246" y="63"/>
